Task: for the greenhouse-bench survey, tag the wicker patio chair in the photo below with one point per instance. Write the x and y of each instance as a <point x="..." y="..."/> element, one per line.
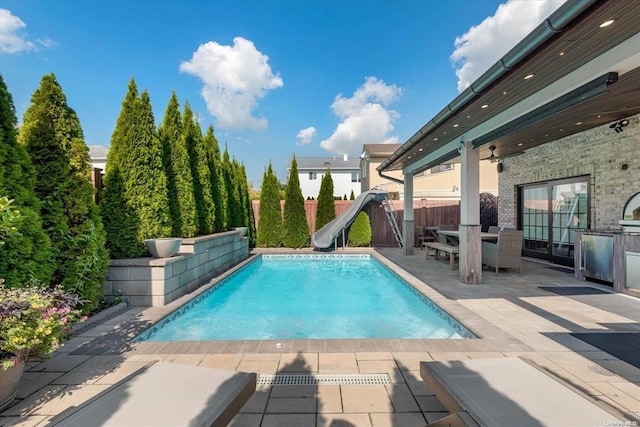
<point x="506" y="253"/>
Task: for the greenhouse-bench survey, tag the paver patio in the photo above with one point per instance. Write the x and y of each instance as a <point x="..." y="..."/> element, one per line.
<point x="510" y="314"/>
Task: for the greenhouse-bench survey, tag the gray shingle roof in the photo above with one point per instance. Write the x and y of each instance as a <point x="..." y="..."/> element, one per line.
<point x="98" y="151"/>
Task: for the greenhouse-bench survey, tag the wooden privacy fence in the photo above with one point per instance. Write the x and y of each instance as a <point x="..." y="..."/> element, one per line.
<point x="426" y="213"/>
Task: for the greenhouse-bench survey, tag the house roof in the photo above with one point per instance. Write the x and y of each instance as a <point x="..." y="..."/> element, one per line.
<point x="98" y="151"/>
<point x="380" y="149"/>
<point x="322" y="163"/>
<point x="584" y="76"/>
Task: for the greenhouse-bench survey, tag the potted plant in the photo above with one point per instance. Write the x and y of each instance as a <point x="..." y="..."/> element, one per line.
<point x="164" y="247"/>
<point x="33" y="323"/>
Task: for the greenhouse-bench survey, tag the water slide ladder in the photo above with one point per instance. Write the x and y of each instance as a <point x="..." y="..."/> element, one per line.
<point x="391" y="216"/>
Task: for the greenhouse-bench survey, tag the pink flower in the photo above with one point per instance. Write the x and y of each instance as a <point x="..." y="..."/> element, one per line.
<point x="84" y="318"/>
<point x="63" y="320"/>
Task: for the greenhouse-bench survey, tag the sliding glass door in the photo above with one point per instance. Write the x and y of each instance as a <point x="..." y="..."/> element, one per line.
<point x="549" y="213"/>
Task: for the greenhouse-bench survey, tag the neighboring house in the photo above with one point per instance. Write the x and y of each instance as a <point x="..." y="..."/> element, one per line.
<point x="98" y="154"/>
<point x="560" y="112"/>
<point x="439" y="182"/>
<point x="345" y="173"/>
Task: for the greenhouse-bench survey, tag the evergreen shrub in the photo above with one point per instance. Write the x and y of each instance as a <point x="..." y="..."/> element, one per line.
<point x="360" y="231"/>
<point x="326" y="203"/>
<point x="26" y="254"/>
<point x="296" y="228"/>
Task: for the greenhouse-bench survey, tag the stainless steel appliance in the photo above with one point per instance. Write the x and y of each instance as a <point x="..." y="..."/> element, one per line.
<point x="630" y="221"/>
<point x="596" y="257"/>
<point x="632" y="262"/>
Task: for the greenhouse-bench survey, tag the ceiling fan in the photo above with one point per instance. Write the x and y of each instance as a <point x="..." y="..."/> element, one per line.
<point x="493" y="158"/>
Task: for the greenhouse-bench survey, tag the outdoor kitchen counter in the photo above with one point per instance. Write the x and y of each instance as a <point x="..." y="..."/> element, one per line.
<point x="626" y="255"/>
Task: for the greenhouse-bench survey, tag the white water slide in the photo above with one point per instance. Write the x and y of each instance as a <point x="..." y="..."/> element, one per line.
<point x="326" y="236"/>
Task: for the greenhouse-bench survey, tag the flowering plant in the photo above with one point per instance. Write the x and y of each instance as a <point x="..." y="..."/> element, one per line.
<point x="34" y="321"/>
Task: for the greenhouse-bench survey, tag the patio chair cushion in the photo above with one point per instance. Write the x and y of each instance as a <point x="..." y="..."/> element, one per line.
<point x="166" y="394"/>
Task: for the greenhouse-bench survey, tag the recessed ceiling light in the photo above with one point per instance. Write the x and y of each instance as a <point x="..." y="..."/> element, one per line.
<point x="456" y="125"/>
<point x="468" y="117"/>
<point x="520" y="145"/>
<point x="528" y="76"/>
<point x="409" y="157"/>
<point x="484" y="105"/>
<point x="420" y="149"/>
<point x="561" y="54"/>
<point x="435" y="139"/>
<point x="504" y="93"/>
<point x="599" y="115"/>
<point x="607" y="23"/>
<point x="578" y="124"/>
<point x="561" y="130"/>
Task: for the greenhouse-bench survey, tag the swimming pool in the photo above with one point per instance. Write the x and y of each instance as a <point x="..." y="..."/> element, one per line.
<point x="308" y="297"/>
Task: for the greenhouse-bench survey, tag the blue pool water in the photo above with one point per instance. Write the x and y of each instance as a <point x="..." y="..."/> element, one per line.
<point x="309" y="297"/>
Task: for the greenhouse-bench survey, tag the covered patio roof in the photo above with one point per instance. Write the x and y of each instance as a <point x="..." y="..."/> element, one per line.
<point x="571" y="74"/>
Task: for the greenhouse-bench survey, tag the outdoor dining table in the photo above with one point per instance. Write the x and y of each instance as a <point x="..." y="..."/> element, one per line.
<point x="453" y="237"/>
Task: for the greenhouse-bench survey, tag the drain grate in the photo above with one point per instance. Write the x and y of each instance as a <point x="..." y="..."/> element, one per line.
<point x="319" y="379"/>
<point x="600" y="370"/>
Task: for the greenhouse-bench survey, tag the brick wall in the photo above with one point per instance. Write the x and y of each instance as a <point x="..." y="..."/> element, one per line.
<point x="599" y="153"/>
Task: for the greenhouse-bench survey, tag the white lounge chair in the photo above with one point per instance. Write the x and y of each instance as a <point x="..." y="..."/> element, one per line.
<point x="509" y="392"/>
<point x="165" y="394"/>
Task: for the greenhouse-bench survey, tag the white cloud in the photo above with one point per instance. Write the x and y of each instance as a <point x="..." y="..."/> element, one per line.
<point x="306" y="135"/>
<point x="483" y="45"/>
<point x="365" y="117"/>
<point x="12" y="39"/>
<point x="235" y="78"/>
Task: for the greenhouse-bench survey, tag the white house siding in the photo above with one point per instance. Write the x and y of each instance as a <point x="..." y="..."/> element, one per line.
<point x="341" y="183"/>
<point x="599" y="152"/>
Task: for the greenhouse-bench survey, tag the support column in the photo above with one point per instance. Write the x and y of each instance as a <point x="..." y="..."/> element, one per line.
<point x="407" y="219"/>
<point x="470" y="242"/>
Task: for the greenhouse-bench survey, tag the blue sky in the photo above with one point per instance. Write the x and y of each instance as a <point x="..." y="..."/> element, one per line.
<point x="274" y="78"/>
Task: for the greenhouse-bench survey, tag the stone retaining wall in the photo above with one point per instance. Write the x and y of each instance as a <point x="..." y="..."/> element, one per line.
<point x="147" y="282"/>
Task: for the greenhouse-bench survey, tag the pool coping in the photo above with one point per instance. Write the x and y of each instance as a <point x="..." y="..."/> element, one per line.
<point x="120" y="339"/>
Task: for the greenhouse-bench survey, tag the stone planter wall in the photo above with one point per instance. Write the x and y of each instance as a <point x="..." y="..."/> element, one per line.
<point x="147" y="282"/>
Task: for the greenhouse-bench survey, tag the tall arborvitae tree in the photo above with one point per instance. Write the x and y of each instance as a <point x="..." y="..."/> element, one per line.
<point x="241" y="188"/>
<point x="251" y="222"/>
<point x="233" y="196"/>
<point x="121" y="223"/>
<point x="270" y="228"/>
<point x="352" y="196"/>
<point x="174" y="158"/>
<point x="146" y="182"/>
<point x="326" y="203"/>
<point x="53" y="137"/>
<point x="296" y="228"/>
<point x="199" y="167"/>
<point x="26" y="255"/>
<point x="218" y="189"/>
<point x="135" y="160"/>
<point x="182" y="204"/>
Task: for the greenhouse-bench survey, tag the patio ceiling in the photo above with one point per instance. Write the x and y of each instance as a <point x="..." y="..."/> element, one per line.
<point x="581" y="52"/>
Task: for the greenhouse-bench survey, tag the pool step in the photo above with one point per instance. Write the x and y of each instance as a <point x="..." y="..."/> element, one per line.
<point x="324" y="379"/>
